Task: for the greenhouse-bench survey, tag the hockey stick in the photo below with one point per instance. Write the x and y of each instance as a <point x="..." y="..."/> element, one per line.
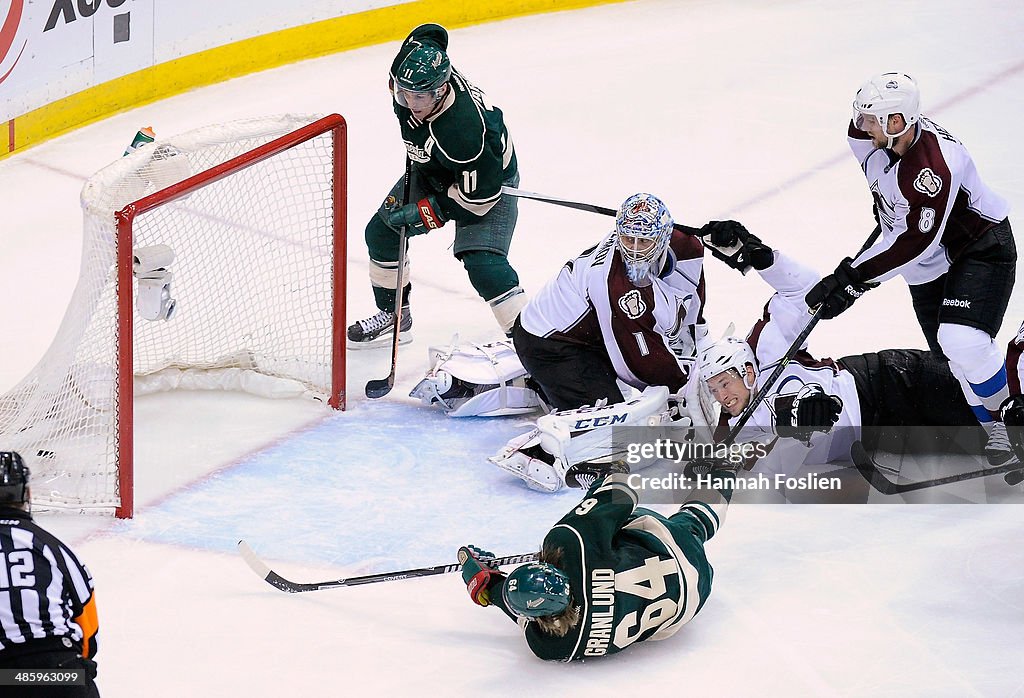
<point x="380" y="387"/>
<point x="274" y="579"/>
<point x="873" y="474"/>
<point x="788" y="356"/>
<point x="592" y="208"/>
<point x="603" y="210"/>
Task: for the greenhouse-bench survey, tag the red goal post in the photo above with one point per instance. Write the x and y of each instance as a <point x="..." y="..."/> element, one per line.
<point x="212" y="259"/>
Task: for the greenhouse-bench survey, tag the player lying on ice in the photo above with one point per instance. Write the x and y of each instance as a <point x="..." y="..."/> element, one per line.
<point x="610" y="574"/>
<point x="819" y="407"/>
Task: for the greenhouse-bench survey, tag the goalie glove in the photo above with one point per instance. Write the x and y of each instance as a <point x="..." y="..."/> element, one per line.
<point x="479" y="574"/>
<point x="150" y="267"/>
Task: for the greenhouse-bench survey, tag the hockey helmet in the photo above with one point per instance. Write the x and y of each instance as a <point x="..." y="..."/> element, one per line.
<point x="726" y="353"/>
<point x="643" y="230"/>
<point x="884" y="95"/>
<point x="424" y="68"/>
<point x="536" y="590"/>
<point x="14" y="475"/>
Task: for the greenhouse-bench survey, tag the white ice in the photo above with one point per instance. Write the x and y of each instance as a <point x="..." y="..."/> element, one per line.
<point x="725" y="109"/>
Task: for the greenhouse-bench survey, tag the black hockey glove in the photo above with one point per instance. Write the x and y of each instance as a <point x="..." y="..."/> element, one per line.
<point x="810" y="410"/>
<point x="816" y="410"/>
<point x="838" y="290"/>
<point x="582" y="476"/>
<point x="420" y="217"/>
<point x="744" y="249"/>
<point x="708" y="466"/>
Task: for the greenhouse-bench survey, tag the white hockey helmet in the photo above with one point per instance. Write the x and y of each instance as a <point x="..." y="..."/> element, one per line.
<point x="643" y="230"/>
<point x="726" y="353"/>
<point x="884" y="95"/>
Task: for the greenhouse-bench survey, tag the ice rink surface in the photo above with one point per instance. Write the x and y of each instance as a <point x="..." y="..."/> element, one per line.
<point x="725" y="110"/>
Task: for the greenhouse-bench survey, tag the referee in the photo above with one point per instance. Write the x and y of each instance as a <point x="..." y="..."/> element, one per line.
<point x="48" y="619"/>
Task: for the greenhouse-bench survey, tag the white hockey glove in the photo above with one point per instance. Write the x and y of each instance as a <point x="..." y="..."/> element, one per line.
<point x="149" y="265"/>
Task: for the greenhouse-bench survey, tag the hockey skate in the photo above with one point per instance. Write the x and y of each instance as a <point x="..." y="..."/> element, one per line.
<point x="375" y="331"/>
<point x="998" y="450"/>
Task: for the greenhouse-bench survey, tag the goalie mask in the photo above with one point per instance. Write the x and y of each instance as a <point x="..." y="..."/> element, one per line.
<point x="536" y="590"/>
<point x="884" y="95"/>
<point x="643" y="230"/>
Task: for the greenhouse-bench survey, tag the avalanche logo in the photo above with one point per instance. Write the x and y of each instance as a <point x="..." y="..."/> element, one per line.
<point x="8" y="33"/>
<point x="632" y="304"/>
<point x="928" y="182"/>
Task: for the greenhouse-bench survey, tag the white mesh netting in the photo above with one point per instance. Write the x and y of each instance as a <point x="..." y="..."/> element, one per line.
<point x="251" y="277"/>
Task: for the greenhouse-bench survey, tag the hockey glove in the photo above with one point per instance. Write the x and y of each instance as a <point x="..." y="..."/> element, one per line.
<point x="744" y="249"/>
<point x="418" y="218"/>
<point x="837" y="291"/>
<point x="478" y="573"/>
<point x="707" y="466"/>
<point x="815" y="410"/>
<point x="582" y="476"/>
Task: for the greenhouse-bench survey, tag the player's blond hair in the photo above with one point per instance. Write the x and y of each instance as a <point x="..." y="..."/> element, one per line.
<point x="561" y="624"/>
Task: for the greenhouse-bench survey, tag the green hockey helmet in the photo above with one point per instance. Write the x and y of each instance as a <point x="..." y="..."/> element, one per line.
<point x="537" y="589"/>
<point x="424" y="68"/>
<point x="14" y="476"/>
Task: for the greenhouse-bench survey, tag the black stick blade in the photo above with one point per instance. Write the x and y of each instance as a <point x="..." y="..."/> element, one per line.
<point x="380" y="387"/>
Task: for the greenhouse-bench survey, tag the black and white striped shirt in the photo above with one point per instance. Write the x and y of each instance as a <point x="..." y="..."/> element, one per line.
<point x="46" y="594"/>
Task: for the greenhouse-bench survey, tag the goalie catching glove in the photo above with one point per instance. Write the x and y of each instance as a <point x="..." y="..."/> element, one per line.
<point x="150" y="267"/>
<point x="479" y="574"/>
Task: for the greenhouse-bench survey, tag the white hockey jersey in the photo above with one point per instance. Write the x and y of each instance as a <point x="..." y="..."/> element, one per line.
<point x="593" y="303"/>
<point x="785" y="316"/>
<point x="931" y="204"/>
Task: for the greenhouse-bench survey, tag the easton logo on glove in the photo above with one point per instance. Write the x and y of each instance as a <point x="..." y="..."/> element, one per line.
<point x="430" y="219"/>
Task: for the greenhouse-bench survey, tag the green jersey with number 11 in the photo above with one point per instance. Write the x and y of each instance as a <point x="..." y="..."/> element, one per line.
<point x="462" y="152"/>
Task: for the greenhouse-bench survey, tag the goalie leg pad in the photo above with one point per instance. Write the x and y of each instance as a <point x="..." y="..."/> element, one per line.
<point x="565" y="440"/>
<point x="477" y="380"/>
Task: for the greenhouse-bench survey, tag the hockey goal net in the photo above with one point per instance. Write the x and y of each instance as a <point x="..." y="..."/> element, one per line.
<point x="211" y="259"/>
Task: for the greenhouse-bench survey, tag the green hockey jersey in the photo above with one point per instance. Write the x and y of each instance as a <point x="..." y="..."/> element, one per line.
<point x="635" y="574"/>
<point x="462" y="152"/>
